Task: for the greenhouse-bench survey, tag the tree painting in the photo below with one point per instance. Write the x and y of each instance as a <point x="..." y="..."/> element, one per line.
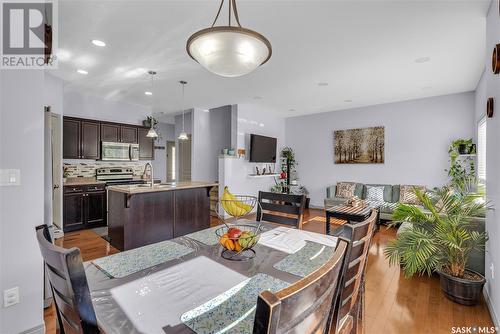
<point x="359" y="146"/>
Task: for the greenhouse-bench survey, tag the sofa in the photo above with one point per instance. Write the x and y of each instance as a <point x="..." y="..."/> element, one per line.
<point x="391" y="198"/>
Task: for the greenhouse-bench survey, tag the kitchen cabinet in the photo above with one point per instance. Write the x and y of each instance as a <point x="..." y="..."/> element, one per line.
<point x="110" y="132"/>
<point x="84" y="207"/>
<point x="146" y="145"/>
<point x="129" y="134"/>
<point x="81" y="139"/>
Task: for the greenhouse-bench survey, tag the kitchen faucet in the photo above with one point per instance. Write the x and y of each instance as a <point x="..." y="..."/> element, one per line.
<point x="151" y="172"/>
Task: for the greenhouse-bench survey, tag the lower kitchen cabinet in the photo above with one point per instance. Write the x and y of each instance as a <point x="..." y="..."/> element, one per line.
<point x="84" y="207"/>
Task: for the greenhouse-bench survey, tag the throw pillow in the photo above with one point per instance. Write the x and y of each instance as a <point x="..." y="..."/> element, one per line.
<point x="345" y="189"/>
<point x="407" y="195"/>
<point x="375" y="193"/>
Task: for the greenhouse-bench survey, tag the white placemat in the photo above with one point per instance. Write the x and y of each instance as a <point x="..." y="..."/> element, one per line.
<point x="159" y="300"/>
<point x="290" y="240"/>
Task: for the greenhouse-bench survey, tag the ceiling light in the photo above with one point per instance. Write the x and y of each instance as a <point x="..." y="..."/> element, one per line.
<point x="261" y="125"/>
<point x="422" y="60"/>
<point x="229" y="51"/>
<point x="152" y="132"/>
<point x="183" y="135"/>
<point x="322" y="84"/>
<point x="97" y="42"/>
<point x="148" y="93"/>
<point x="82" y="72"/>
<point x="206" y="110"/>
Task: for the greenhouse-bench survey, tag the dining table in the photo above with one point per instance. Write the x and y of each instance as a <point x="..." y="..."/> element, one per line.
<point x="184" y="285"/>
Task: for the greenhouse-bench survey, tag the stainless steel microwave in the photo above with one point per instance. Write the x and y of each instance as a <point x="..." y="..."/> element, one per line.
<point x="111" y="151"/>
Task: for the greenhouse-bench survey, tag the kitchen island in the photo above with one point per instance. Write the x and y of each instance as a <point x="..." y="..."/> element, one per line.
<point x="139" y="215"/>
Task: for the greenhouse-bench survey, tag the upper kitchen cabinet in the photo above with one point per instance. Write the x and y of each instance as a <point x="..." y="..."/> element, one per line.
<point x="81" y="139"/>
<point x="110" y="132"/>
<point x="146" y="145"/>
<point x="129" y="134"/>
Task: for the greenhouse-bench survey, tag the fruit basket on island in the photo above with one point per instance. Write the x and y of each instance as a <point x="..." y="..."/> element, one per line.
<point x="237" y="237"/>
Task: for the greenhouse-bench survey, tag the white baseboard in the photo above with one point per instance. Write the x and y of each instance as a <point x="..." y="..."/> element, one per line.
<point x="490" y="308"/>
<point x="40" y="329"/>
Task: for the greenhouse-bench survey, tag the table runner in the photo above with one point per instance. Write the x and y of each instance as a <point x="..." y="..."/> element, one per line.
<point x="309" y="258"/>
<point x="134" y="260"/>
<point x="234" y="310"/>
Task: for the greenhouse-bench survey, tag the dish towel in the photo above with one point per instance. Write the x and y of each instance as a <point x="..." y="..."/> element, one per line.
<point x="290" y="240"/>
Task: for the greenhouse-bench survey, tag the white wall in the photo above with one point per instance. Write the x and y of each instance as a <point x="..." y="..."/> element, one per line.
<point x="167" y="132"/>
<point x="491" y="88"/>
<point x="22" y="207"/>
<point x="92" y="107"/>
<point x="417" y="136"/>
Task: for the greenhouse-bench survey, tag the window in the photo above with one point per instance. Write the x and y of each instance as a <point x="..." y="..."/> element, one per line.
<point x="481" y="151"/>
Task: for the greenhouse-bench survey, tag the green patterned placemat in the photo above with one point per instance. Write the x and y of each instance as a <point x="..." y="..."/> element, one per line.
<point x="206" y="236"/>
<point x="234" y="310"/>
<point x="306" y="260"/>
<point x="134" y="260"/>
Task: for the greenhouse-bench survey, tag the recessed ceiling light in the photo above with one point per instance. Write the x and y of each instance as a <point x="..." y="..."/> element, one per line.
<point x="323" y="84"/>
<point x="261" y="125"/>
<point x="148" y="93"/>
<point x="82" y="72"/>
<point x="348" y="101"/>
<point x="97" y="42"/>
<point x="422" y="60"/>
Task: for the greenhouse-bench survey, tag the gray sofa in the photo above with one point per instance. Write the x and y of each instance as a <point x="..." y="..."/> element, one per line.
<point x="391" y="198"/>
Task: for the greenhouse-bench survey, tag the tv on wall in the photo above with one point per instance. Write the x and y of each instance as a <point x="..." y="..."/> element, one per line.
<point x="262" y="148"/>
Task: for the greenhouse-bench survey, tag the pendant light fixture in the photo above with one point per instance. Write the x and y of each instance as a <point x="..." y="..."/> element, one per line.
<point x="229" y="51"/>
<point x="183" y="135"/>
<point x="152" y="132"/>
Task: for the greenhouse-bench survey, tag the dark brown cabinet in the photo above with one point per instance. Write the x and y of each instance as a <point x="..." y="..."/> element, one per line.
<point x="146" y="145"/>
<point x="81" y="139"/>
<point x="84" y="207"/>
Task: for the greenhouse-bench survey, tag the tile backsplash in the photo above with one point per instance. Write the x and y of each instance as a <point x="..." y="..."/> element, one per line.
<point x="75" y="168"/>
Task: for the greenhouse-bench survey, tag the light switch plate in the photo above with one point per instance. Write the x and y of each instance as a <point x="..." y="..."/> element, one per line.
<point x="10" y="297"/>
<point x="10" y="177"/>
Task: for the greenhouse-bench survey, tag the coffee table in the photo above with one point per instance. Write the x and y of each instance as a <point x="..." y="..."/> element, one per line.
<point x="348" y="213"/>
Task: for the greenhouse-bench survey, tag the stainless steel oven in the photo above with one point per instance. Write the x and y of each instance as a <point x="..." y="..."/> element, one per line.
<point x="111" y="151"/>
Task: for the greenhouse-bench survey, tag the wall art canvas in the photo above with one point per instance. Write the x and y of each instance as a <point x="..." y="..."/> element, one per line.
<point x="359" y="146"/>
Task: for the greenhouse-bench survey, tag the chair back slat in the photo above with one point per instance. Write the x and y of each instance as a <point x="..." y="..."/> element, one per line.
<point x="280" y="208"/>
<point x="304" y="306"/>
<point x="69" y="285"/>
<point x="359" y="235"/>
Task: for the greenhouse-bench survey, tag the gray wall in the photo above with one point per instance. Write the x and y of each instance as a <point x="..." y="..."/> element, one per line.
<point x="417" y="135"/>
<point x="167" y="132"/>
<point x="211" y="133"/>
<point x="22" y="206"/>
<point x="489" y="86"/>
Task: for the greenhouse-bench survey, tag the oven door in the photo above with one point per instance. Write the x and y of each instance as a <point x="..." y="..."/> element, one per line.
<point x="115" y="151"/>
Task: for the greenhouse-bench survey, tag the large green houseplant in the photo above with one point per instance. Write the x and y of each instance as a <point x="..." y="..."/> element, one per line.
<point x="440" y="238"/>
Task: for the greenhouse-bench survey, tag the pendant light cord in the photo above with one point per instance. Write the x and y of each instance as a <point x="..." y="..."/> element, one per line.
<point x="232" y="8"/>
<point x="183" y="129"/>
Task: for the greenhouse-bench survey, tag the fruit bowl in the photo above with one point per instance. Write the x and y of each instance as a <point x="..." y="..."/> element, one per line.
<point x="235" y="206"/>
<point x="238" y="241"/>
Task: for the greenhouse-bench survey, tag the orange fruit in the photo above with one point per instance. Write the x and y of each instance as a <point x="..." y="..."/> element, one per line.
<point x="223" y="240"/>
<point x="237" y="246"/>
<point x="229" y="244"/>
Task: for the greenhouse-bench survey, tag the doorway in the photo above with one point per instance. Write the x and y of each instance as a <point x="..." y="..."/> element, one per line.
<point x="185" y="159"/>
<point x="171" y="167"/>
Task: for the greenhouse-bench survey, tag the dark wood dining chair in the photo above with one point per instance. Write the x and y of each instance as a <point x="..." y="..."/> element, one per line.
<point x="349" y="304"/>
<point x="280" y="208"/>
<point x="304" y="306"/>
<point x="71" y="294"/>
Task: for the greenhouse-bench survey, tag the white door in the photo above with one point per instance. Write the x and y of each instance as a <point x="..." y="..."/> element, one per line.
<point x="56" y="145"/>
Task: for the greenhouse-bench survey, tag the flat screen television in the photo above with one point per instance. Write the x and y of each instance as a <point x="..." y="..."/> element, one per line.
<point x="262" y="148"/>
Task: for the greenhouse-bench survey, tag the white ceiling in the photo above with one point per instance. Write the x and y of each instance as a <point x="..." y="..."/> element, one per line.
<point x="364" y="50"/>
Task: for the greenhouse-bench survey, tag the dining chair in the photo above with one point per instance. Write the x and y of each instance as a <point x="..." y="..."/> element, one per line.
<point x="349" y="303"/>
<point x="71" y="294"/>
<point x="280" y="208"/>
<point x="304" y="306"/>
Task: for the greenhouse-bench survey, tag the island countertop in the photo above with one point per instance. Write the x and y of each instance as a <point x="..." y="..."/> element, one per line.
<point x="146" y="188"/>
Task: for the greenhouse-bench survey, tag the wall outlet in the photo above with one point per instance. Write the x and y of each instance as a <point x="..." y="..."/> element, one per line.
<point x="10" y="297"/>
<point x="492" y="270"/>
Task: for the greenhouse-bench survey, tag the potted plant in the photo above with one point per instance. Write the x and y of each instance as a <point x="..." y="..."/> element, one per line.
<point x="462" y="146"/>
<point x="440" y="238"/>
<point x="461" y="170"/>
<point x="288" y="154"/>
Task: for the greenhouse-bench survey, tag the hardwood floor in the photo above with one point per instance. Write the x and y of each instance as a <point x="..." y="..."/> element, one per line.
<point x="393" y="304"/>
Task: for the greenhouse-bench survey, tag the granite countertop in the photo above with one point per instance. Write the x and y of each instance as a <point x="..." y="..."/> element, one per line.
<point x="81" y="181"/>
<point x="139" y="189"/>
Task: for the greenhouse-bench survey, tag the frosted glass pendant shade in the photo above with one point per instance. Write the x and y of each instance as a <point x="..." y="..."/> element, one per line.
<point x="183" y="136"/>
<point x="152" y="133"/>
<point x="229" y="51"/>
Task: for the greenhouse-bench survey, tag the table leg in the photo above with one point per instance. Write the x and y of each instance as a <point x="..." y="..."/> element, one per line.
<point x="327" y="223"/>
